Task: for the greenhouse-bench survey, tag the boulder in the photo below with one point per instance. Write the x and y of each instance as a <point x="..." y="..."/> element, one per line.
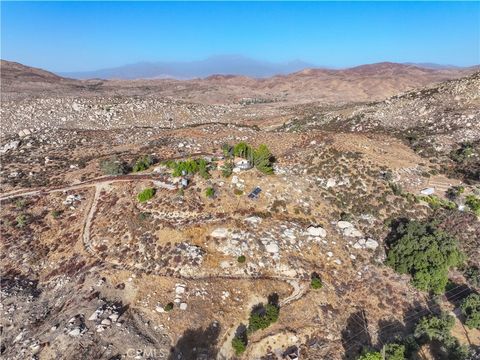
<point x="344" y="224"/>
<point x="272" y="248"/>
<point x="316" y="231"/>
<point x="371" y="244"/>
<point x="219" y="233"/>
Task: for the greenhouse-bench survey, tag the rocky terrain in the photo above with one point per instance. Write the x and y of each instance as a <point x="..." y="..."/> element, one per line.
<point x="89" y="270"/>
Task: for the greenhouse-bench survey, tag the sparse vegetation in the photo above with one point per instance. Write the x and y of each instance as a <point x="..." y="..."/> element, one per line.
<point x="146" y="194"/>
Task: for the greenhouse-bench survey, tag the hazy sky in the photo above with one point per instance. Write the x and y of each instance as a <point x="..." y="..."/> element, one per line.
<point x="77" y="36"/>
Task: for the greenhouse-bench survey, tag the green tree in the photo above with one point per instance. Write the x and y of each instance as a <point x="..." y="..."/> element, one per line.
<point x="471" y="310"/>
<point x="262" y="159"/>
<point x="426" y="253"/>
<point x="435" y="328"/>
<point x="242" y="149"/>
<point x="262" y="316"/>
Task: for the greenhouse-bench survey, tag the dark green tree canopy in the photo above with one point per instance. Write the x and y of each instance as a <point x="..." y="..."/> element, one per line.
<point x="426" y="253"/>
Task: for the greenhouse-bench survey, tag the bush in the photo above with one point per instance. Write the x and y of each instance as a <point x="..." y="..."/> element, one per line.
<point x="143" y="163"/>
<point x="371" y="355"/>
<point x="471" y="310"/>
<point x="316" y="282"/>
<point x="262" y="317"/>
<point x="396" y="188"/>
<point x="189" y="167"/>
<point x="473" y="203"/>
<point x="210" y="192"/>
<point x="146" y="194"/>
<point x="239" y="345"/>
<point x="436" y="203"/>
<point x="394" y="352"/>
<point x="472" y="274"/>
<point x="241" y="259"/>
<point x="168" y="307"/>
<point x="238" y="192"/>
<point x="454" y="192"/>
<point x="438" y="328"/>
<point x="56" y="214"/>
<point x="21" y="220"/>
<point x="426" y="253"/>
<point x="227" y="169"/>
<point x="113" y="166"/>
<point x="203" y="169"/>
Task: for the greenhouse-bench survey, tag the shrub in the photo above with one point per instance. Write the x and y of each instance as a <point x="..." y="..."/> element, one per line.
<point x="168" y="307"/>
<point x="210" y="192"/>
<point x="238" y="192"/>
<point x="56" y="214"/>
<point x="146" y="194"/>
<point x="143" y="163"/>
<point x="426" y="253"/>
<point x="396" y="188"/>
<point x="227" y="169"/>
<point x="371" y="355"/>
<point x="239" y="345"/>
<point x="454" y="192"/>
<point x="21" y="220"/>
<point x="189" y="167"/>
<point x="471" y="310"/>
<point x="473" y="203"/>
<point x="394" y="352"/>
<point x="262" y="317"/>
<point x="435" y="328"/>
<point x="241" y="259"/>
<point x="472" y="274"/>
<point x="316" y="282"/>
<point x="436" y="203"/>
<point x="203" y="169"/>
<point x="113" y="166"/>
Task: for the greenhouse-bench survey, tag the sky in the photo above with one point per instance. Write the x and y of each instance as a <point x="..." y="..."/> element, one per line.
<point x="81" y="36"/>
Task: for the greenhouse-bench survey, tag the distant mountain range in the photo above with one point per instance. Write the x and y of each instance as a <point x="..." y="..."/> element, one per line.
<point x="215" y="65"/>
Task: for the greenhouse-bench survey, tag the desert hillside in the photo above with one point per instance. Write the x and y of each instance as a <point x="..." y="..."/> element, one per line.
<point x="239" y="218"/>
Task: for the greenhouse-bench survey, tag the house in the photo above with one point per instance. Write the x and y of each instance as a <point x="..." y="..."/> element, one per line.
<point x="254" y="193"/>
